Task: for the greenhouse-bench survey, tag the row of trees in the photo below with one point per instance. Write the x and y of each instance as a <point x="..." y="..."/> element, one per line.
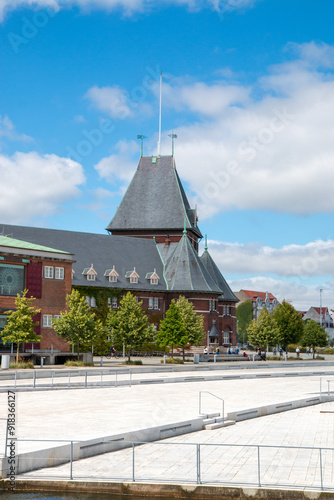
<point x="128" y="326"/>
<point x="285" y="326"/>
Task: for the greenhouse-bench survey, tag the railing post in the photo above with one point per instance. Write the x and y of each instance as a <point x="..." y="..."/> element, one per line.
<point x="198" y="463"/>
<point x="85" y="379"/>
<point x="15" y="379"/>
<point x="34" y="383"/>
<point x="6" y="440"/>
<point x="52" y="373"/>
<point x="133" y="462"/>
<point x="71" y="461"/>
<point x="101" y="378"/>
<point x="328" y="384"/>
<point x="258" y="466"/>
<point x="321" y="479"/>
<point x="69" y="379"/>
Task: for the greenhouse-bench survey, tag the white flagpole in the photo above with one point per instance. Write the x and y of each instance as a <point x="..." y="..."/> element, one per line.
<point x="160" y="114"/>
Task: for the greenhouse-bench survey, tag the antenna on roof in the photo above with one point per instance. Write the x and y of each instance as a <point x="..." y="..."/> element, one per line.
<point x="141" y="137"/>
<point x="159" y="141"/>
<point x="173" y="136"/>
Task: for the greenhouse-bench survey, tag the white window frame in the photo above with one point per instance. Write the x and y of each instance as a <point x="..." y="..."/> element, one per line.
<point x="226" y="338"/>
<point x="92" y="302"/>
<point x="150" y="303"/>
<point x="154" y="281"/>
<point x="90" y="276"/>
<point x="133" y="279"/>
<point x="114" y="303"/>
<point x="48" y="272"/>
<point x="156" y="304"/>
<point x="47" y="320"/>
<point x="56" y="316"/>
<point x="113" y="278"/>
<point x="59" y="273"/>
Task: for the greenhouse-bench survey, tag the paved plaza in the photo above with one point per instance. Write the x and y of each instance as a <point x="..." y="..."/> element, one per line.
<point x="82" y="414"/>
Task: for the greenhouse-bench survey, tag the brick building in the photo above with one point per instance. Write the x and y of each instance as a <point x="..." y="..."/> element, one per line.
<point x="151" y="250"/>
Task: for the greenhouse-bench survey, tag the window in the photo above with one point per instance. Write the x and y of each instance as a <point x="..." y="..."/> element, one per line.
<point x="47" y="320"/>
<point x="56" y="316"/>
<point x="92" y="302"/>
<point x="88" y="300"/>
<point x="226" y="311"/>
<point x="11" y="279"/>
<point x="212" y="305"/>
<point x="113" y="278"/>
<point x="91" y="277"/>
<point x="154" y="281"/>
<point x="156" y="304"/>
<point x="48" y="272"/>
<point x="226" y="337"/>
<point x="150" y="303"/>
<point x="133" y="279"/>
<point x="59" y="273"/>
<point x="114" y="303"/>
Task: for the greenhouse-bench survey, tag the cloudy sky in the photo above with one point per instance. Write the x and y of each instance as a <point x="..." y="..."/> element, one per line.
<point x="248" y="87"/>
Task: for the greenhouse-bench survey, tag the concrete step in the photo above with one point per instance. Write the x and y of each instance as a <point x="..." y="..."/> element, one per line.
<point x="213" y="420"/>
<point x="209" y="415"/>
<point x="217" y="425"/>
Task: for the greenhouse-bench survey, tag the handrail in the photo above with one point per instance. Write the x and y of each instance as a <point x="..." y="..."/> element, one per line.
<point x="6" y="438"/>
<point x="214" y="395"/>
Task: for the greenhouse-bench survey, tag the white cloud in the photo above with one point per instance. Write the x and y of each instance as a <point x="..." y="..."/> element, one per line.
<point x="128" y="6"/>
<point x="7" y="130"/>
<point x="119" y="166"/>
<point x="313" y="259"/>
<point x="32" y="185"/>
<point x="111" y="100"/>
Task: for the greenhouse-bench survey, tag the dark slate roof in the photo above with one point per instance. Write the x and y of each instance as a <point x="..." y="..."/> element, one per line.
<point x="101" y="250"/>
<point x="217" y="276"/>
<point x="184" y="270"/>
<point x="213" y="331"/>
<point x="155" y="199"/>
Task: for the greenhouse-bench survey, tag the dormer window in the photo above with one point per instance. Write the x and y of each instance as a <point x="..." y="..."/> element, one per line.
<point x="133" y="276"/>
<point x="112" y="274"/>
<point x="90" y="273"/>
<point x="153" y="277"/>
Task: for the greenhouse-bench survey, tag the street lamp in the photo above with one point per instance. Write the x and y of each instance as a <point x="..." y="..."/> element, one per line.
<point x="320" y="306"/>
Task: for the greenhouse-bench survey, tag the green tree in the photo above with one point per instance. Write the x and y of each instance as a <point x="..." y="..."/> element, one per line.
<point x="128" y="325"/>
<point x="314" y="335"/>
<point x="289" y="322"/>
<point x="172" y="331"/>
<point x="264" y="331"/>
<point x="244" y="314"/>
<point x="192" y="323"/>
<point x="78" y="325"/>
<point x="20" y="325"/>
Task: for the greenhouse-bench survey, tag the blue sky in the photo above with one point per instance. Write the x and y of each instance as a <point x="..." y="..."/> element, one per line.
<point x="248" y="87"/>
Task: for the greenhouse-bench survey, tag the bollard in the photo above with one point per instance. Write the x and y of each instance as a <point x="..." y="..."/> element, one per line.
<point x="34" y="383"/>
<point x="42" y="361"/>
<point x="328" y="385"/>
<point x="164" y="359"/>
<point x="253" y="358"/>
<point x="101" y="362"/>
<point x="215" y="358"/>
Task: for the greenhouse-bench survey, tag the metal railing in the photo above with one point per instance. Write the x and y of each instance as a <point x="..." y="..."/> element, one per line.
<point x="6" y="436"/>
<point x="255" y="465"/>
<point x="200" y="403"/>
<point x="70" y="379"/>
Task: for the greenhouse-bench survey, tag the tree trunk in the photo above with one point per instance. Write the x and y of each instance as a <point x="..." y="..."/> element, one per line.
<point x="17" y="352"/>
<point x="78" y="348"/>
<point x="172" y="352"/>
<point x="183" y="353"/>
<point x="129" y="354"/>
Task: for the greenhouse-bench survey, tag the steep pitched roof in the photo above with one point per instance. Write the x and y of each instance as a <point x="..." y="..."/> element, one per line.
<point x="184" y="270"/>
<point x="217" y="276"/>
<point x="155" y="199"/>
<point x="253" y="295"/>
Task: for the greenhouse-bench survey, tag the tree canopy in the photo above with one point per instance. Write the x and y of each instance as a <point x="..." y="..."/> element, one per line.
<point x="172" y="331"/>
<point x="128" y="325"/>
<point x="192" y="323"/>
<point x="289" y="322"/>
<point x="264" y="331"/>
<point x="78" y="324"/>
<point x="244" y="314"/>
<point x="20" y="325"/>
<point x="314" y="335"/>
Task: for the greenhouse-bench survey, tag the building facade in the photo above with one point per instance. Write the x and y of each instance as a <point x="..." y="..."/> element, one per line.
<point x="259" y="301"/>
<point x="151" y="250"/>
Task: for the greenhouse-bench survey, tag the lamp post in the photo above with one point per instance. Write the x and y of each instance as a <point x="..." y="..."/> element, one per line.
<point x="321" y="307"/>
